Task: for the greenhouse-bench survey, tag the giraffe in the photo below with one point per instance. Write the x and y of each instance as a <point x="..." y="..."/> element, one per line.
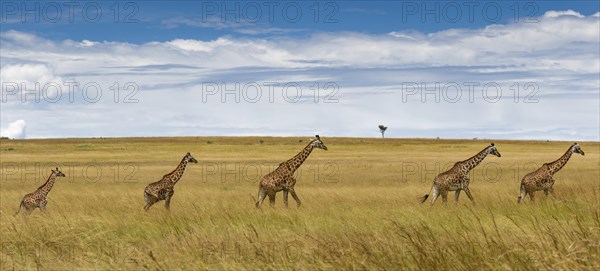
<point x="456" y="178"/>
<point x="282" y="178"/>
<point x="39" y="198"/>
<point x="542" y="178"/>
<point x="163" y="189"/>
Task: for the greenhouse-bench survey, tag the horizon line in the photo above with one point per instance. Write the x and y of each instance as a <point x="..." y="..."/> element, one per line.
<point x="299" y="136"/>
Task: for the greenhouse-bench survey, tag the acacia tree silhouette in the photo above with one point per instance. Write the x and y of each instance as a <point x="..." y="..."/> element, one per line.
<point x="382" y="130"/>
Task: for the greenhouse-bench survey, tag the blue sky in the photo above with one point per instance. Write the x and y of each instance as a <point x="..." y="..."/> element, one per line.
<point x="146" y="21"/>
<point x="399" y="63"/>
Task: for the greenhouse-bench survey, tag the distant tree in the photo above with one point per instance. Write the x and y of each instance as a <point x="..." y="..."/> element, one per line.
<point x="382" y="130"/>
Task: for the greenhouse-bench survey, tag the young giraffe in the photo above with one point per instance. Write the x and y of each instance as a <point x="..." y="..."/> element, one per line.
<point x="163" y="189"/>
<point x="282" y="178"/>
<point x="39" y="198"/>
<point x="456" y="178"/>
<point x="542" y="178"/>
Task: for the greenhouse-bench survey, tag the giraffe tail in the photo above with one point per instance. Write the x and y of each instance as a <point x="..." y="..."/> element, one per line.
<point x="146" y="197"/>
<point x="424" y="198"/>
<point x="521" y="194"/>
<point x="261" y="196"/>
<point x="20" y="204"/>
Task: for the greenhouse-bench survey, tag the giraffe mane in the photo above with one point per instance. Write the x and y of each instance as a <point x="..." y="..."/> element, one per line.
<point x="173" y="171"/>
<point x="47" y="180"/>
<point x="478" y="153"/>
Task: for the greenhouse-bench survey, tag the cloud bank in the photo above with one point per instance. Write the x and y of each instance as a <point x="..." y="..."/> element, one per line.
<point x="553" y="63"/>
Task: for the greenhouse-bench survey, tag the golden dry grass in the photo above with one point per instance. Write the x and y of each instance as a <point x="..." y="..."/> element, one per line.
<point x="360" y="206"/>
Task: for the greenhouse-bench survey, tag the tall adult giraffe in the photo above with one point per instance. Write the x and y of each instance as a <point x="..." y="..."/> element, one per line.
<point x="39" y="198"/>
<point x="163" y="189"/>
<point x="282" y="178"/>
<point x="542" y="178"/>
<point x="456" y="178"/>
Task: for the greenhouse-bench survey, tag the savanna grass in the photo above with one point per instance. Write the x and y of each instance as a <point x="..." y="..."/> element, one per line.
<point x="360" y="206"/>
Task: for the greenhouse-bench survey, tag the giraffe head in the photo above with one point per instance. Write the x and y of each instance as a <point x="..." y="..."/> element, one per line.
<point x="188" y="158"/>
<point x="58" y="173"/>
<point x="317" y="143"/>
<point x="492" y="149"/>
<point x="577" y="149"/>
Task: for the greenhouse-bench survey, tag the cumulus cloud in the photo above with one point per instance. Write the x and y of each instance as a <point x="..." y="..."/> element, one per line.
<point x="15" y="130"/>
<point x="36" y="77"/>
<point x="29" y="74"/>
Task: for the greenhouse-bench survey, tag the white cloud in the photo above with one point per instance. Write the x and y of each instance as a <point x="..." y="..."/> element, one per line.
<point x="510" y="45"/>
<point x="400" y="34"/>
<point x="87" y="43"/>
<point x="553" y="13"/>
<point x="34" y="78"/>
<point x="559" y="53"/>
<point x="15" y="130"/>
<point x="199" y="46"/>
<point x="29" y="74"/>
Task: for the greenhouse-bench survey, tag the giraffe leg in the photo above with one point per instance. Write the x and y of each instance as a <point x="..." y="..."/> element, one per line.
<point x="551" y="190"/>
<point x="531" y="196"/>
<point x="444" y="196"/>
<point x="456" y="194"/>
<point x="261" y="196"/>
<point x="169" y="194"/>
<point x="42" y="205"/>
<point x="293" y="192"/>
<point x="272" y="199"/>
<point x="150" y="200"/>
<point x="27" y="210"/>
<point x="285" y="198"/>
<point x="435" y="195"/>
<point x="551" y="187"/>
<point x="468" y="192"/>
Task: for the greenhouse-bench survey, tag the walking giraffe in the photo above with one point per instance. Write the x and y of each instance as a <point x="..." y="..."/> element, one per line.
<point x="39" y="198"/>
<point x="456" y="178"/>
<point x="542" y="178"/>
<point x="163" y="189"/>
<point x="282" y="178"/>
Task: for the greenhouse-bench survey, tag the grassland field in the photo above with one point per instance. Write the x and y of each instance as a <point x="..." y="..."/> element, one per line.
<point x="360" y="207"/>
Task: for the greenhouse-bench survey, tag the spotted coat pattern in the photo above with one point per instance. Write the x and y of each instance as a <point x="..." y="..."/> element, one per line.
<point x="39" y="198"/>
<point x="163" y="189"/>
<point x="456" y="178"/>
<point x="543" y="177"/>
<point x="282" y="179"/>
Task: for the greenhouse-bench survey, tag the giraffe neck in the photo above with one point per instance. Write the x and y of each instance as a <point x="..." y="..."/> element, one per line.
<point x="560" y="163"/>
<point x="46" y="187"/>
<point x="174" y="176"/>
<point x="295" y="162"/>
<point x="471" y="163"/>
